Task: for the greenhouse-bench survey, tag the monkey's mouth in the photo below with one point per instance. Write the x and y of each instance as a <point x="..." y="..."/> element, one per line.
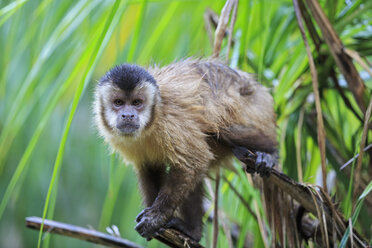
<point x="127" y="128"/>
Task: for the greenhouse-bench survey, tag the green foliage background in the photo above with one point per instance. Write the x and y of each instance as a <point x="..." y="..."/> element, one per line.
<point x="52" y="161"/>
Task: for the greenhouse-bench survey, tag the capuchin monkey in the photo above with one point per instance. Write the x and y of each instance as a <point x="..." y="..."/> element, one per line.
<point x="176" y="124"/>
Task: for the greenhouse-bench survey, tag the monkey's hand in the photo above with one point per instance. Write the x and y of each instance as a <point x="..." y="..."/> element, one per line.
<point x="151" y="222"/>
<point x="260" y="162"/>
<point x="265" y="162"/>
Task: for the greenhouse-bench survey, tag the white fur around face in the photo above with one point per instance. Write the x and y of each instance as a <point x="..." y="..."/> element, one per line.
<point x="151" y="94"/>
<point x="101" y="111"/>
<point x="103" y="103"/>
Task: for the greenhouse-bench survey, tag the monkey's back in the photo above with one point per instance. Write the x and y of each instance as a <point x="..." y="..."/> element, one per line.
<point x="216" y="96"/>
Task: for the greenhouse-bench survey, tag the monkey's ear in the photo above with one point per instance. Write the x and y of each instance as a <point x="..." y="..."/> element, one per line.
<point x="246" y="90"/>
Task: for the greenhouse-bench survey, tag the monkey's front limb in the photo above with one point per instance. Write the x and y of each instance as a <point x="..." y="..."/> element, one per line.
<point x="179" y="183"/>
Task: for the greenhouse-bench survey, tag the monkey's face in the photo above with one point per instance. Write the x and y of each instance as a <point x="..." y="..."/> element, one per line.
<point x="127" y="109"/>
<point x="127" y="113"/>
<point x="125" y="101"/>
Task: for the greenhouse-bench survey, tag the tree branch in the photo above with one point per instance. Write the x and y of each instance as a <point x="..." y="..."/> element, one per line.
<point x="170" y="237"/>
<point x="222" y="26"/>
<point x="312" y="202"/>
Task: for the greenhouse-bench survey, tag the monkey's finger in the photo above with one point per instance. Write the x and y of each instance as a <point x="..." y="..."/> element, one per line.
<point x="144" y="232"/>
<point x="250" y="170"/>
<point x="140" y="215"/>
<point x="159" y="232"/>
<point x="264" y="171"/>
<point x="264" y="162"/>
<point x="144" y="228"/>
<point x="260" y="158"/>
<point x="139" y="226"/>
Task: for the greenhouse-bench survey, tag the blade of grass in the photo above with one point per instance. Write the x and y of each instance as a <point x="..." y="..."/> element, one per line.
<point x="6" y="56"/>
<point x="260" y="222"/>
<point x="263" y="38"/>
<point x="115" y="182"/>
<point x="298" y="145"/>
<point x="358" y="166"/>
<point x="23" y="164"/>
<point x="159" y="30"/>
<point x="110" y="25"/>
<point x="7" y="11"/>
<point x="137" y="31"/>
<point x="65" y="29"/>
<point x="358" y="207"/>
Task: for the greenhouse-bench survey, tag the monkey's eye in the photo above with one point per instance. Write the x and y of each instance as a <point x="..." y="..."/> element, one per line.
<point x="118" y="102"/>
<point x="137" y="102"/>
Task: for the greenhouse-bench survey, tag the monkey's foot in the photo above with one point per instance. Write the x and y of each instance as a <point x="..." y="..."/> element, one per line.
<point x="150" y="223"/>
<point x="180" y="225"/>
<point x="259" y="162"/>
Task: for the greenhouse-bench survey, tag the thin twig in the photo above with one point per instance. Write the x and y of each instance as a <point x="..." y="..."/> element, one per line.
<point x="221" y="27"/>
<point x="231" y="28"/>
<point x="358" y="167"/>
<point x="314" y="75"/>
<point x="260" y="222"/>
<point x="232" y="231"/>
<point x="81" y="233"/>
<point x="355" y="157"/>
<point x="351" y="232"/>
<point x="169" y="237"/>
<point x="215" y="210"/>
<point x="298" y="144"/>
<point x="367" y="61"/>
<point x="320" y="214"/>
<point x="241" y="198"/>
<point x="310" y="26"/>
<point x="355" y="55"/>
<point x="210" y="19"/>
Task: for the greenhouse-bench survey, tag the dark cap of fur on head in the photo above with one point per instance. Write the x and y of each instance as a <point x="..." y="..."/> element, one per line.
<point x="127" y="77"/>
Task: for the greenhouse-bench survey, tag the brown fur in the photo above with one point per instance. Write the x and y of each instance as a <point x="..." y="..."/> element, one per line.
<point x="205" y="108"/>
<point x="195" y="104"/>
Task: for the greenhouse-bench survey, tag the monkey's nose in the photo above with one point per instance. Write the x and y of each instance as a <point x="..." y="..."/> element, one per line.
<point x="127" y="117"/>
